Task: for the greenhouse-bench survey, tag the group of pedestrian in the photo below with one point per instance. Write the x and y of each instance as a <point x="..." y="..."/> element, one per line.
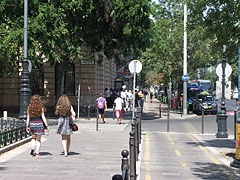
<point x="101" y="106"/>
<point x="37" y="122"/>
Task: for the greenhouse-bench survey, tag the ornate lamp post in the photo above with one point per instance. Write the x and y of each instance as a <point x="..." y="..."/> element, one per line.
<point x="222" y="124"/>
<point x="25" y="90"/>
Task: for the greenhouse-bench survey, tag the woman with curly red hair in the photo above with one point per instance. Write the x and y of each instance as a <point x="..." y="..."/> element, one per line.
<point x="66" y="115"/>
<point x="36" y="121"/>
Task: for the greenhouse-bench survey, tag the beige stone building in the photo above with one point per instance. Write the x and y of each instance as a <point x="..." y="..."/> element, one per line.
<point x="51" y="81"/>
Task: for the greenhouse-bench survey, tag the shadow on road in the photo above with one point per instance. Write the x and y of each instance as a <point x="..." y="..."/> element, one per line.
<point x="214" y="171"/>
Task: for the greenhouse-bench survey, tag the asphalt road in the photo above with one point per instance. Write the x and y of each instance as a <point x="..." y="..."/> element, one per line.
<point x="181" y="153"/>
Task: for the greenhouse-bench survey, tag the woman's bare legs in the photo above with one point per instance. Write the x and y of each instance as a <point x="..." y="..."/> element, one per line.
<point x="64" y="144"/>
<point x="38" y="144"/>
<point x="68" y="142"/>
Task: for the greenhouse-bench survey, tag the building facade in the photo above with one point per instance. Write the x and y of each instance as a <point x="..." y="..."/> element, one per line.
<point x="88" y="78"/>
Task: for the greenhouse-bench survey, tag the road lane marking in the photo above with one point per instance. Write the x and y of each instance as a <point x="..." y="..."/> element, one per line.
<point x="147" y="158"/>
<point x="148" y="176"/>
<point x="169" y="138"/>
<point x="190" y="128"/>
<point x="204" y="150"/>
<point x="178" y="153"/>
<point x="184" y="165"/>
<point x="147" y="149"/>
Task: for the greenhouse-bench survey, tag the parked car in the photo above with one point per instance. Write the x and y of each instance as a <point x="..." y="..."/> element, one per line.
<point x="206" y="102"/>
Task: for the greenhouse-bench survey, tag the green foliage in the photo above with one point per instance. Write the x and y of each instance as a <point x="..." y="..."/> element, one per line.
<point x="211" y="24"/>
<point x="57" y="30"/>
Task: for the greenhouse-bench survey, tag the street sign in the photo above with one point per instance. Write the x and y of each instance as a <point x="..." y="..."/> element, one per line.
<point x="185" y="77"/>
<point x="228" y="70"/>
<point x="138" y="67"/>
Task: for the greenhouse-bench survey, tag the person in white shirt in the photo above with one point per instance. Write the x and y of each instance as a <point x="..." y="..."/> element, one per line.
<point x="118" y="105"/>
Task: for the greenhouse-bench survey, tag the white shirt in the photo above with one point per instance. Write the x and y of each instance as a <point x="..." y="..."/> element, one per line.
<point x="118" y="103"/>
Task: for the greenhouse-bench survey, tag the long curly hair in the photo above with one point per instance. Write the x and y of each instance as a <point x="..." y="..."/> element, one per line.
<point x="63" y="106"/>
<point x="35" y="107"/>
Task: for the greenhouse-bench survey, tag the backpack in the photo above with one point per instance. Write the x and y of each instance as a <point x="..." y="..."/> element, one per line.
<point x="100" y="103"/>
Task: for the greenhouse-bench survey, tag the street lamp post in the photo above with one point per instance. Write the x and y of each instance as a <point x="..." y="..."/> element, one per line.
<point x="222" y="123"/>
<point x="25" y="90"/>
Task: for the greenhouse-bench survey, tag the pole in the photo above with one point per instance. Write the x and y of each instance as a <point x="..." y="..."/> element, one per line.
<point x="185" y="62"/>
<point x="134" y="84"/>
<point x="168" y="121"/>
<point x="222" y="125"/>
<point x="202" y="121"/>
<point x="170" y="91"/>
<point x="25" y="90"/>
<point x="78" y="100"/>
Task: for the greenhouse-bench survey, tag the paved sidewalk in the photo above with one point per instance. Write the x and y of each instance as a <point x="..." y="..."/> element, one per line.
<point x="93" y="154"/>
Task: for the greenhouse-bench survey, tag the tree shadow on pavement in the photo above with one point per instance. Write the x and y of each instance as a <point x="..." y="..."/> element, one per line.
<point x="150" y="116"/>
<point x="216" y="143"/>
<point x="214" y="171"/>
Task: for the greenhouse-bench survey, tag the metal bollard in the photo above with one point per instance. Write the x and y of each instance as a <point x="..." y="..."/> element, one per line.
<point x="168" y="121"/>
<point x="97" y="120"/>
<point x="133" y="174"/>
<point x="138" y="131"/>
<point x="117" y="177"/>
<point x="113" y="113"/>
<point x="160" y="110"/>
<point x="136" y="137"/>
<point x="202" y="121"/>
<point x="125" y="164"/>
<point x="235" y="122"/>
<point x="89" y="111"/>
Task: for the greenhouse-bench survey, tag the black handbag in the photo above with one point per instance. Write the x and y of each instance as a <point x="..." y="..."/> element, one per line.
<point x="73" y="125"/>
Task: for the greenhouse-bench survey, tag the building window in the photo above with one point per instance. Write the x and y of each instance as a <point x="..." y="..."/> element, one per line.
<point x="37" y="81"/>
<point x="65" y="79"/>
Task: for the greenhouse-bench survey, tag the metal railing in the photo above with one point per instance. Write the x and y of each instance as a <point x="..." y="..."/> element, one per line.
<point x="12" y="131"/>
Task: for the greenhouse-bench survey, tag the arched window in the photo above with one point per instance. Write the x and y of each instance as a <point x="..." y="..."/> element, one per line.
<point x="65" y="79"/>
<point x="37" y="81"/>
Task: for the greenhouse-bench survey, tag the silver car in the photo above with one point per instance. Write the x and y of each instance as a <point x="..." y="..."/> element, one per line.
<point x="204" y="102"/>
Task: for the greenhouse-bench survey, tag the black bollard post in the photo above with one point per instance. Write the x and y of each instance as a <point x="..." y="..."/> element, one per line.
<point x="125" y="164"/>
<point x="136" y="137"/>
<point x="139" y="131"/>
<point x="117" y="177"/>
<point x="168" y="121"/>
<point x="113" y="113"/>
<point x="89" y="112"/>
<point x="202" y="121"/>
<point x="140" y="126"/>
<point x="133" y="174"/>
<point x="160" y="110"/>
<point x="97" y="120"/>
<point x="235" y="122"/>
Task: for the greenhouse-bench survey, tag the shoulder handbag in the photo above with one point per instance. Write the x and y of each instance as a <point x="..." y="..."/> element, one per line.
<point x="73" y="125"/>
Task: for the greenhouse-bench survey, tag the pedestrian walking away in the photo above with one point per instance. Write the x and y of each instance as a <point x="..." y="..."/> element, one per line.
<point x="36" y="123"/>
<point x="118" y="105"/>
<point x="101" y="106"/>
<point x="151" y="96"/>
<point x="66" y="115"/>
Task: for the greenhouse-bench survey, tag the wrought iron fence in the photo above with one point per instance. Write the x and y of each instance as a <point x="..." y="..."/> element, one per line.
<point x="12" y="131"/>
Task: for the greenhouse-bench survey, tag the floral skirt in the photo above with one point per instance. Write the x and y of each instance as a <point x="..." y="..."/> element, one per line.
<point x="64" y="126"/>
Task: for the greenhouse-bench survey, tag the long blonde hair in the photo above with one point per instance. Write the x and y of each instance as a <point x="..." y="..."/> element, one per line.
<point x="63" y="106"/>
